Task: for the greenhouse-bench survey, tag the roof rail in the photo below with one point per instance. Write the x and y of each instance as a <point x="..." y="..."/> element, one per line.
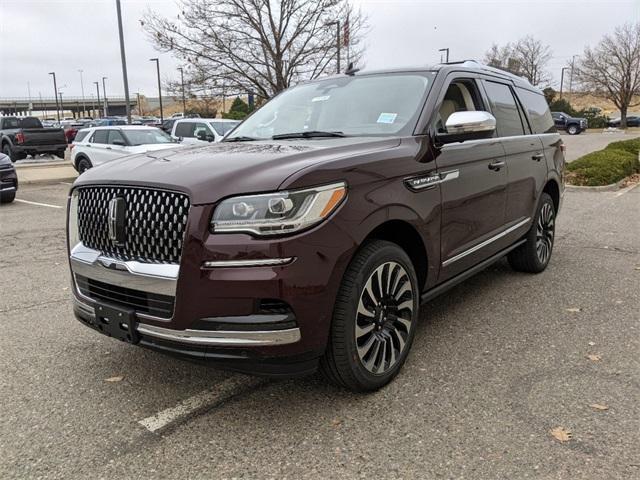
<point x="476" y="64"/>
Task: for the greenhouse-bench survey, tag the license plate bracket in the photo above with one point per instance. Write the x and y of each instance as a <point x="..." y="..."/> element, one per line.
<point x="116" y="322"/>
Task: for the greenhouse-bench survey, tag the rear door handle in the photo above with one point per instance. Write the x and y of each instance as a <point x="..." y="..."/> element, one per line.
<point x="537" y="157"/>
<point x="496" y="165"/>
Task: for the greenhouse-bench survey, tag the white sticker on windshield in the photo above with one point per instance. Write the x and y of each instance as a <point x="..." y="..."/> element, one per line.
<point x="387" y="117"/>
<point x="321" y="99"/>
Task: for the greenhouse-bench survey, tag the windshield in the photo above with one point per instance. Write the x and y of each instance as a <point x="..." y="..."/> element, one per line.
<point x="222" y="128"/>
<point x="381" y="105"/>
<point x="147" y="137"/>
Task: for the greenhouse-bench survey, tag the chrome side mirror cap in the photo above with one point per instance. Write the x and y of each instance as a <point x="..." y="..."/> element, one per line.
<point x="470" y="125"/>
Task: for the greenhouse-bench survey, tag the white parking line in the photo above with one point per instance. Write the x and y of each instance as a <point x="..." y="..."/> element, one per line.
<point x="200" y="402"/>
<point x="625" y="190"/>
<point x="36" y="203"/>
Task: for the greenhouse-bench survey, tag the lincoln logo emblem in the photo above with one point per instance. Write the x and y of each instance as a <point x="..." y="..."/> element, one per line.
<point x="116" y="221"/>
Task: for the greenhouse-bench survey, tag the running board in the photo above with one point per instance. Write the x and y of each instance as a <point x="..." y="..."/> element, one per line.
<point x="461" y="277"/>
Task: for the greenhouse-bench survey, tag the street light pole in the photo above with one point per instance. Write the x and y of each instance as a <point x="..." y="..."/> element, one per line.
<point x="573" y="61"/>
<point x="84" y="108"/>
<point x="124" y="64"/>
<point x="55" y="94"/>
<point x="104" y="94"/>
<point x="562" y="80"/>
<point x="159" y="88"/>
<point x="97" y="84"/>
<point x="447" y="55"/>
<point x="184" y="104"/>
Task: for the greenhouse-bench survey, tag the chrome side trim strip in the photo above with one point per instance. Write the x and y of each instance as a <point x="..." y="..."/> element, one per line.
<point x="8" y="189"/>
<point x="488" y="241"/>
<point x="430" y="180"/>
<point x="223" y="338"/>
<point x="263" y="262"/>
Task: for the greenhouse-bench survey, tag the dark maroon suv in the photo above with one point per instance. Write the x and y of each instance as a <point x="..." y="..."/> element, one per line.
<point x="312" y="234"/>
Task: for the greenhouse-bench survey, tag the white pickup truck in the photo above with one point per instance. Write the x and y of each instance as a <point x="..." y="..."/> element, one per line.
<point x="197" y="130"/>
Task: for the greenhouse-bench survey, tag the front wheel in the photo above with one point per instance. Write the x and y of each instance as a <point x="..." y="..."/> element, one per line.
<point x="83" y="165"/>
<point x="7" y="197"/>
<point x="374" y="318"/>
<point x="573" y="130"/>
<point x="534" y="255"/>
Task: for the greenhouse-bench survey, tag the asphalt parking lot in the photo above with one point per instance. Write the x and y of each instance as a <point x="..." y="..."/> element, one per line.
<point x="591" y="140"/>
<point x="498" y="363"/>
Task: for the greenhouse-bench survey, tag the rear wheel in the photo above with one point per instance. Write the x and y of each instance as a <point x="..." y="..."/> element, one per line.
<point x="534" y="255"/>
<point x="83" y="165"/>
<point x="8" y="151"/>
<point x="60" y="153"/>
<point x="374" y="319"/>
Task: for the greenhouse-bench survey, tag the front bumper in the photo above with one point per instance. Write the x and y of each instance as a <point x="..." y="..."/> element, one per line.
<point x="8" y="180"/>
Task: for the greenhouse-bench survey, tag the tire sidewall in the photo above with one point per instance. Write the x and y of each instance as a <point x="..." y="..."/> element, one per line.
<point x="572" y="130"/>
<point x="544" y="199"/>
<point x="389" y="253"/>
<point x="84" y="161"/>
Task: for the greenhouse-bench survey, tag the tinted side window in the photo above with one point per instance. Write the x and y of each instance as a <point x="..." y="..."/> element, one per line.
<point x="81" y="135"/>
<point x="505" y="109"/>
<point x="185" y="129"/>
<point x="116" y="136"/>
<point x="10" y="123"/>
<point x="100" y="136"/>
<point x="536" y="105"/>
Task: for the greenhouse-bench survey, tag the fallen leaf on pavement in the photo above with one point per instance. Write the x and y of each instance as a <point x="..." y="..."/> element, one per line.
<point x="573" y="309"/>
<point x="592" y="344"/>
<point x="594" y="357"/>
<point x="114" y="379"/>
<point x="637" y="268"/>
<point x="597" y="406"/>
<point x="561" y="434"/>
<point x="336" y="422"/>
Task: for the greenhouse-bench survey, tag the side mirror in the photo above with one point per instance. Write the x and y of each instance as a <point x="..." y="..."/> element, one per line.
<point x="473" y="125"/>
<point x="202" y="135"/>
<point x="211" y="138"/>
<point x="120" y="143"/>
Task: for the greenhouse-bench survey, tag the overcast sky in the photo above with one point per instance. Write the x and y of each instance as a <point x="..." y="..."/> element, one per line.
<point x="40" y="36"/>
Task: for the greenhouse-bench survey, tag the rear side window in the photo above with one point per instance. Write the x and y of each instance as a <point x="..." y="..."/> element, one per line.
<point x="30" y="122"/>
<point x="185" y="129"/>
<point x="10" y="123"/>
<point x="80" y="136"/>
<point x="505" y="109"/>
<point x="538" y="110"/>
<point x="100" y="136"/>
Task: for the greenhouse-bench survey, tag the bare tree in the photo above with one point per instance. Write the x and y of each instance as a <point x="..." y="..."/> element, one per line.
<point x="612" y="68"/>
<point x="527" y="57"/>
<point x="260" y="46"/>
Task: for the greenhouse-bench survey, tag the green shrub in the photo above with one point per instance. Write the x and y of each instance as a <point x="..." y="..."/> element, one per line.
<point x="631" y="146"/>
<point x="603" y="167"/>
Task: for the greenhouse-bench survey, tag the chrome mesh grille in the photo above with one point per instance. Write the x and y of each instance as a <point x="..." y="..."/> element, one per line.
<point x="155" y="222"/>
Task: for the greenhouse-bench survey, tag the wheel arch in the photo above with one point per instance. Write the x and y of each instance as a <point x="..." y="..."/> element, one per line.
<point x="553" y="189"/>
<point x="406" y="236"/>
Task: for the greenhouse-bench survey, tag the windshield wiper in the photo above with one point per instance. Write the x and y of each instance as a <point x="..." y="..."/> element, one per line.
<point x="241" y="139"/>
<point x="307" y="134"/>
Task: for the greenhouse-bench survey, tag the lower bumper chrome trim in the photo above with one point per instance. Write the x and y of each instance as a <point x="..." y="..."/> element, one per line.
<point x="7" y="189"/>
<point x="215" y="338"/>
<point x="263" y="262"/>
<point x="221" y="338"/>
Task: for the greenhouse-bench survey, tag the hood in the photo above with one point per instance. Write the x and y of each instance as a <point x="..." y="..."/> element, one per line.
<point x="211" y="172"/>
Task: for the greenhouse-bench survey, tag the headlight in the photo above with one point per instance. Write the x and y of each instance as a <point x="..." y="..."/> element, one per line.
<point x="279" y="212"/>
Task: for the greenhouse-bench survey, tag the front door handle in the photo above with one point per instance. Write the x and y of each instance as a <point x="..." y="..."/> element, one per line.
<point x="537" y="157"/>
<point x="496" y="165"/>
<point x="107" y="148"/>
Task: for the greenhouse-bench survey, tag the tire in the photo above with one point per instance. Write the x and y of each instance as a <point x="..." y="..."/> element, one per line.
<point x="369" y="343"/>
<point x="573" y="130"/>
<point x="6" y="149"/>
<point x="60" y="154"/>
<point x="83" y="165"/>
<point x="534" y="255"/>
<point x="7" y="197"/>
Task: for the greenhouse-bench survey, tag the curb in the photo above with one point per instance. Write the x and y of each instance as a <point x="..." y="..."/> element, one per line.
<point x="612" y="187"/>
<point x="47" y="181"/>
<point x="27" y="166"/>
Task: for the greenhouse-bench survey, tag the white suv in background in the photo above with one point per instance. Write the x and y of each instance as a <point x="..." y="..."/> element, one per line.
<point x="193" y="131"/>
<point x="97" y="145"/>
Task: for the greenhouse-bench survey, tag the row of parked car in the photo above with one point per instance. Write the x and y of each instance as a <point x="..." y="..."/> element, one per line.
<point x="96" y="145"/>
